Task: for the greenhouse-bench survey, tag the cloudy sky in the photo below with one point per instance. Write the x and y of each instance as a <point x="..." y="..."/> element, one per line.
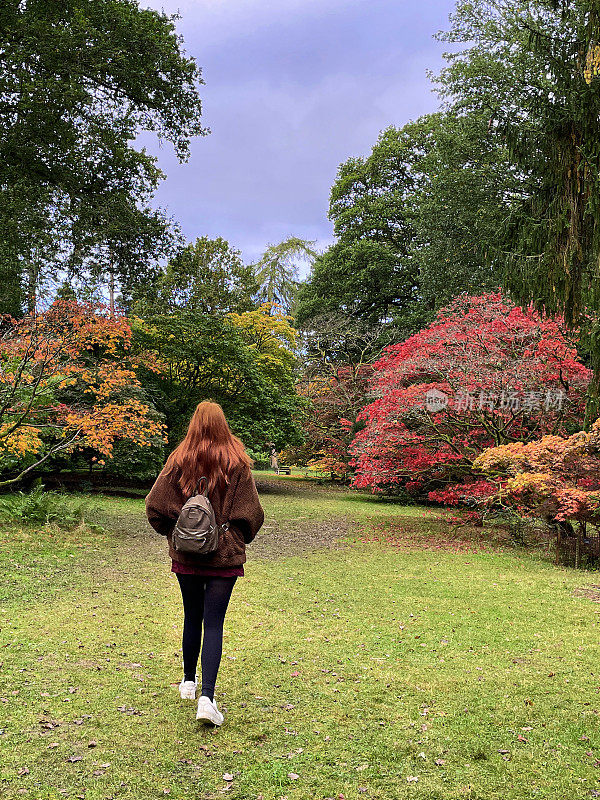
<point x="293" y="88"/>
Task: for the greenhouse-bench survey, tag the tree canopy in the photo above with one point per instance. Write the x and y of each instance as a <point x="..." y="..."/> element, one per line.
<point x="464" y="186"/>
<point x="207" y="276"/>
<point x="68" y="383"/>
<point x="417" y="222"/>
<point x="366" y="272"/>
<point x="79" y="81"/>
<point x="245" y="362"/>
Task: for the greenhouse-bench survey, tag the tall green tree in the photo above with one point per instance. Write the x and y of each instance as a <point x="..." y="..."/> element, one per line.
<point x="465" y="185"/>
<point x="530" y="68"/>
<point x="367" y="272"/>
<point x="79" y="81"/>
<point x="416" y="221"/>
<point x="207" y="276"/>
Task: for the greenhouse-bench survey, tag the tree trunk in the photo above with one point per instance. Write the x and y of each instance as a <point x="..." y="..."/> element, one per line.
<point x="31" y="280"/>
<point x="111" y="293"/>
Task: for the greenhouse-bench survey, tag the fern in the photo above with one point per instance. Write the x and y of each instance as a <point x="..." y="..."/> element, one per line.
<point x="38" y="506"/>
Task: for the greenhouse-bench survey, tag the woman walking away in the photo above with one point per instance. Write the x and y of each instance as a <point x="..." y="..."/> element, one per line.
<point x="212" y="460"/>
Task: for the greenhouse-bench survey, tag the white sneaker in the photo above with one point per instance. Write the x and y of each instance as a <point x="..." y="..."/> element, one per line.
<point x="208" y="711"/>
<point x="187" y="689"/>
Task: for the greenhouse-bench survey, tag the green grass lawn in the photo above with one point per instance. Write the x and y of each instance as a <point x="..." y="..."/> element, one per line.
<point x="431" y="668"/>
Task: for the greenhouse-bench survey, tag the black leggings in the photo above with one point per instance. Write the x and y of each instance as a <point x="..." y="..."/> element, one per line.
<point x="205" y="600"/>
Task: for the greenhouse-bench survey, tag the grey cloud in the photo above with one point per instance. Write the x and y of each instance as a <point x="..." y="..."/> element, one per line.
<point x="282" y="121"/>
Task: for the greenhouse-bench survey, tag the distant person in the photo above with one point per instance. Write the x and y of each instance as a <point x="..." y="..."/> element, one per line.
<point x="208" y="451"/>
<point x="274" y="464"/>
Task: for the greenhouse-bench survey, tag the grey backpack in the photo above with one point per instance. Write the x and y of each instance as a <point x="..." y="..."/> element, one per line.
<point x="196" y="530"/>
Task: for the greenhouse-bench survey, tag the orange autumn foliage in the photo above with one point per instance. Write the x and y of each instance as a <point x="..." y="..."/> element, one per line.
<point x="555" y="478"/>
<point x="67" y="381"/>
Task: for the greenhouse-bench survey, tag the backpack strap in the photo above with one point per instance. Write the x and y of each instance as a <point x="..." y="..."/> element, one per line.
<point x="202" y="486"/>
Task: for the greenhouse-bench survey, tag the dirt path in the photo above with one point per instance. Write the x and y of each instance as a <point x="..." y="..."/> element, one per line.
<point x="288" y="536"/>
<point x="278" y="538"/>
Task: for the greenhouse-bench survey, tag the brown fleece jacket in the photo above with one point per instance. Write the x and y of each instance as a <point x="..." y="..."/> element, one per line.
<point x="237" y="504"/>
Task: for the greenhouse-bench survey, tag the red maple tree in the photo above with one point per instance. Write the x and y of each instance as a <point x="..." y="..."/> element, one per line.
<point x="484" y="373"/>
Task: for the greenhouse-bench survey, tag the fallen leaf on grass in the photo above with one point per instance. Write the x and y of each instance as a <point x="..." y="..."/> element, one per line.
<point x="24" y="771"/>
<point x="293" y="776"/>
<point x="92" y="743"/>
<point x="228" y="776"/>
<point x="439" y="762"/>
<point x="75" y="758"/>
<point x="412" y="779"/>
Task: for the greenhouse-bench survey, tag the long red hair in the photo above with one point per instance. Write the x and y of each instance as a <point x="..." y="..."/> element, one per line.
<point x="208" y="449"/>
